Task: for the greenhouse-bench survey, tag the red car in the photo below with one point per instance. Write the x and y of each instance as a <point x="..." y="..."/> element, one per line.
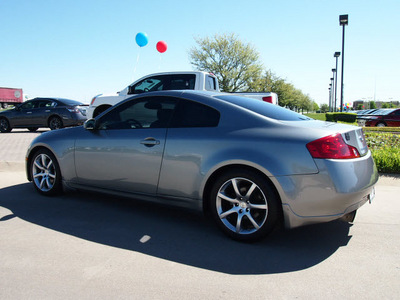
<point x="383" y="117"/>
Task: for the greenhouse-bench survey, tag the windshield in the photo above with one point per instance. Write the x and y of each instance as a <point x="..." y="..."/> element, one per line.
<point x="70" y="102"/>
<point x="263" y="108"/>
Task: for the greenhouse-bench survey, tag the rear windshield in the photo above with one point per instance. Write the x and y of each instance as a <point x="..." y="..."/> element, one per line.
<point x="70" y="102"/>
<point x="266" y="109"/>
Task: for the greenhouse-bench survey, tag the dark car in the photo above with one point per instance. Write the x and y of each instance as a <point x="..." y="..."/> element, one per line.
<point x="381" y="118"/>
<point x="54" y="113"/>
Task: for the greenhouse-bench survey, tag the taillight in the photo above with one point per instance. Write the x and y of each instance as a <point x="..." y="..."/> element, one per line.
<point x="73" y="109"/>
<point x="267" y="99"/>
<point x="332" y="147"/>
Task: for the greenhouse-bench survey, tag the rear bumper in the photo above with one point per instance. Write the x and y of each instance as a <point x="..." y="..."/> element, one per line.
<point x="340" y="187"/>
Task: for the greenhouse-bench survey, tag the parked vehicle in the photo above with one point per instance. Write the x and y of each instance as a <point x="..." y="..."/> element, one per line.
<point x="10" y="96"/>
<point x="381" y="118"/>
<point x="201" y="81"/>
<point x="43" y="112"/>
<point x="250" y="164"/>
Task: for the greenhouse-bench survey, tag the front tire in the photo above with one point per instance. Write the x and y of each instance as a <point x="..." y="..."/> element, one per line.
<point x="33" y="129"/>
<point x="244" y="205"/>
<point x="45" y="173"/>
<point x="4" y="125"/>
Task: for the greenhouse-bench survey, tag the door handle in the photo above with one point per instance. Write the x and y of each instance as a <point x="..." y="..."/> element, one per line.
<point x="29" y="112"/>
<point x="150" y="142"/>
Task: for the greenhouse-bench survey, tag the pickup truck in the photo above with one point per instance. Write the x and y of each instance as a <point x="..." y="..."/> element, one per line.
<point x="192" y="80"/>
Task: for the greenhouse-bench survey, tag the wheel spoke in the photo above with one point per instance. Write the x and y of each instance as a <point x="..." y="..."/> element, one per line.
<point x="256" y="226"/>
<point x="225" y="197"/>
<point x="38" y="165"/>
<point x="227" y="213"/>
<point x="235" y="187"/>
<point x="258" y="206"/>
<point x="251" y="190"/>
<point x="239" y="223"/>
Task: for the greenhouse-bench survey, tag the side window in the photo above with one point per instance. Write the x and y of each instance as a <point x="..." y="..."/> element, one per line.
<point x="44" y="103"/>
<point x="27" y="105"/>
<point x="193" y="114"/>
<point x="210" y="83"/>
<point x="147" y="85"/>
<point x="164" y="82"/>
<point x="148" y="112"/>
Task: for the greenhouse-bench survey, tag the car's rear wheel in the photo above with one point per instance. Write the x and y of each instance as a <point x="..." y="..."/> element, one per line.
<point x="33" y="129"/>
<point x="45" y="173"/>
<point x="244" y="205"/>
<point x="55" y="123"/>
<point x="4" y="125"/>
<point x="380" y="124"/>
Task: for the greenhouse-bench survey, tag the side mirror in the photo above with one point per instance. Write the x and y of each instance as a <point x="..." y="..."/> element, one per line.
<point x="90" y="124"/>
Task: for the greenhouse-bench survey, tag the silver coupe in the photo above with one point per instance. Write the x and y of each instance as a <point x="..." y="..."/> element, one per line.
<point x="249" y="164"/>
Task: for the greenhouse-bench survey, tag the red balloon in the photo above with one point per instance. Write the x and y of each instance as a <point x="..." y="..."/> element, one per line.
<point x="161" y="46"/>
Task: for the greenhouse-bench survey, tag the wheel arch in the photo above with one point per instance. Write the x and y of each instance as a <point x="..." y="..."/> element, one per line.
<point x="52" y="116"/>
<point x="30" y="156"/>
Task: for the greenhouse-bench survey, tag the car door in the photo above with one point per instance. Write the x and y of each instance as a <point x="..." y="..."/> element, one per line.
<point x="393" y="119"/>
<point x="40" y="113"/>
<point x="124" y="152"/>
<point x="23" y="114"/>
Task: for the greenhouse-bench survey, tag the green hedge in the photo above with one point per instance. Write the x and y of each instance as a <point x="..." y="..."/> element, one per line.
<point x="343" y="117"/>
<point x="385" y="148"/>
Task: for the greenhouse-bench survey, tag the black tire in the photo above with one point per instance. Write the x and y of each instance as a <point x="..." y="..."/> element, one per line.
<point x="33" y="129"/>
<point x="45" y="173"/>
<point x="5" y="125"/>
<point x="55" y="123"/>
<point x="246" y="213"/>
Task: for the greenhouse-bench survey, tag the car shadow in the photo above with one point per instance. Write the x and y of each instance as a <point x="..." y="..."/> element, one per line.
<point x="174" y="234"/>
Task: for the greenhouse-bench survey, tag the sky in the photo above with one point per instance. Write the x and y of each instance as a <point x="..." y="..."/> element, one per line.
<point x="79" y="49"/>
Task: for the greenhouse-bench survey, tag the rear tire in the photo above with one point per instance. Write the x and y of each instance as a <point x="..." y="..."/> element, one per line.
<point x="244" y="205"/>
<point x="33" y="129"/>
<point x="5" y="125"/>
<point x="55" y="123"/>
<point x="380" y="124"/>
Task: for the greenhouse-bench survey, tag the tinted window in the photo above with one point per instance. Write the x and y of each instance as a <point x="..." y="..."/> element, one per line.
<point x="164" y="82"/>
<point x="28" y="105"/>
<point x="211" y="84"/>
<point x="266" y="109"/>
<point x="149" y="112"/>
<point x="193" y="114"/>
<point x="70" y="102"/>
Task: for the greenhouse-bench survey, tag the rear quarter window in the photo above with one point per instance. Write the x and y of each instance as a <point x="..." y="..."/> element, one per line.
<point x="265" y="109"/>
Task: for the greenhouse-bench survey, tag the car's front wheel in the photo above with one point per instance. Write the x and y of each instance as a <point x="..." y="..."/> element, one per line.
<point x="4" y="125"/>
<point x="244" y="205"/>
<point x="45" y="173"/>
<point x="55" y="123"/>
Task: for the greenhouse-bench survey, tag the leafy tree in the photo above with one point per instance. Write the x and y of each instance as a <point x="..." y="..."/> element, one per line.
<point x="372" y="105"/>
<point x="235" y="63"/>
<point x="359" y="106"/>
<point x="315" y="106"/>
<point x="324" y="108"/>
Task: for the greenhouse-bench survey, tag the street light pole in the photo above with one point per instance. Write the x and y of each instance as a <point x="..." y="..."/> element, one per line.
<point x="331" y="99"/>
<point x="334" y="91"/>
<point x="336" y="55"/>
<point x="343" y="21"/>
<point x="330" y="96"/>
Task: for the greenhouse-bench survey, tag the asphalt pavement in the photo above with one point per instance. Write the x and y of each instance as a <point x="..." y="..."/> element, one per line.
<point x="88" y="246"/>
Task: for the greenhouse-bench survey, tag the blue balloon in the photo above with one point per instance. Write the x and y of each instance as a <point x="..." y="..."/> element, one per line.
<point x="142" y="39"/>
